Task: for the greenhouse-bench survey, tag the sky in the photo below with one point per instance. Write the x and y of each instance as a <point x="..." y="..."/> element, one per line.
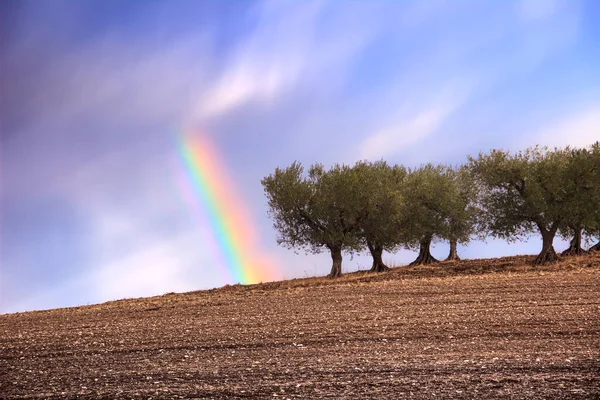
<point x="95" y="97"/>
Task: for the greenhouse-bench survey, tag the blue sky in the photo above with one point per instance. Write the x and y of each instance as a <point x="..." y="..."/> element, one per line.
<point x="94" y="95"/>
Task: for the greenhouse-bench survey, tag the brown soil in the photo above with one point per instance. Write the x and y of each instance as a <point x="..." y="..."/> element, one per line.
<point x="466" y="329"/>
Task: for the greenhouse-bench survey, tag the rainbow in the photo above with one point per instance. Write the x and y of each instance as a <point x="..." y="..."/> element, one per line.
<point x="232" y="228"/>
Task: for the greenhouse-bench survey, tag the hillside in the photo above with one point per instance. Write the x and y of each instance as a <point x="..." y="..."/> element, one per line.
<point x="493" y="328"/>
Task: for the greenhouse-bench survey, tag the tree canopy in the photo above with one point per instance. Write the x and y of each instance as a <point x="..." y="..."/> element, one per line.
<point x="428" y="196"/>
<point x="581" y="213"/>
<point x="463" y="211"/>
<point x="319" y="211"/>
<point x="591" y="226"/>
<point x="379" y="229"/>
<point x="379" y="207"/>
<point x="526" y="191"/>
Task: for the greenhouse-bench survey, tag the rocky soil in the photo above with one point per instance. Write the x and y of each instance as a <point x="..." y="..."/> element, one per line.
<point x="471" y="329"/>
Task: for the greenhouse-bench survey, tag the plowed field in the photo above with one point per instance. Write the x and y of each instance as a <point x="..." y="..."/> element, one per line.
<point x="475" y="329"/>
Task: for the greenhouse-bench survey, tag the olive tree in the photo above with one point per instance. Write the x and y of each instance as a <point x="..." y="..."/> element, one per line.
<point x="462" y="209"/>
<point x="582" y="214"/>
<point x="317" y="211"/>
<point x="427" y="194"/>
<point x="592" y="228"/>
<point x="381" y="197"/>
<point x="523" y="192"/>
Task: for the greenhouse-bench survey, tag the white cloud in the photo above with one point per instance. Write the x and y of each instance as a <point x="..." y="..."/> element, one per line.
<point x="535" y="10"/>
<point x="409" y="131"/>
<point x="289" y="47"/>
<point x="579" y="129"/>
<point x="242" y="84"/>
<point x="163" y="266"/>
<point x="51" y="297"/>
<point x="156" y="83"/>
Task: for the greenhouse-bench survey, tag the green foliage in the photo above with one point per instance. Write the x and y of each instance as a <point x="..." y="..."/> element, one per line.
<point x="522" y="191"/>
<point x="591" y="224"/>
<point x="594" y="228"/>
<point x="381" y="207"/>
<point x="584" y="184"/>
<point x="535" y="188"/>
<point x="319" y="210"/>
<point x="381" y="198"/>
<point x="463" y="210"/>
<point x="429" y="201"/>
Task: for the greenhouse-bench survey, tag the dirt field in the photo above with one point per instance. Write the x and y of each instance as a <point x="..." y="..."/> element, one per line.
<point x="478" y="329"/>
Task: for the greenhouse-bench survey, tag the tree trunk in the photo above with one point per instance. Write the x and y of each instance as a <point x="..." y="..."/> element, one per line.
<point x="575" y="248"/>
<point x="547" y="255"/>
<point x="376" y="252"/>
<point x="425" y="256"/>
<point x="336" y="257"/>
<point x="453" y="251"/>
<point x="595" y="247"/>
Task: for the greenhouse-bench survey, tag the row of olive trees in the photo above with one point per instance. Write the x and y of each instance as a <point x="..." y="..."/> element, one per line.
<point x="552" y="192"/>
<point x="380" y="207"/>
